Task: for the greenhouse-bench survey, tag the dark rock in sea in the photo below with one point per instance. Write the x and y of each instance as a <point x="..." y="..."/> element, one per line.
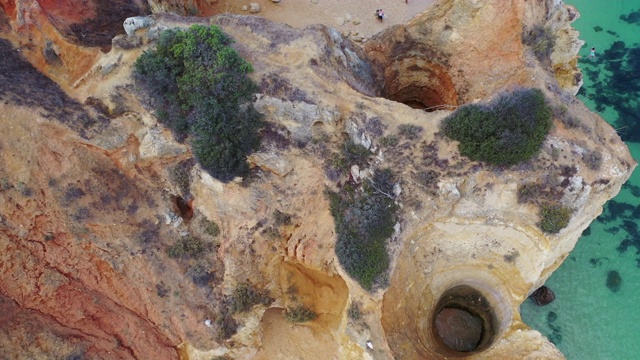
<point x="555" y="337"/>
<point x="587" y="231"/>
<point x="612" y="230"/>
<point x="551" y="316"/>
<point x="597" y="28"/>
<point x="614" y="281"/>
<point x="459" y="329"/>
<point x="632" y="18"/>
<point x="543" y="296"/>
<point x="624" y="245"/>
<point x="631" y="227"/>
<point x="634" y="189"/>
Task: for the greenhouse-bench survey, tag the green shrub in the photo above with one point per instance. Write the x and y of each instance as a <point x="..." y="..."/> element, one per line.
<point x="541" y="39"/>
<point x="281" y="219"/>
<point x="564" y="115"/>
<point x="529" y="192"/>
<point x="506" y="131"/>
<point x="187" y="247"/>
<point x="180" y="175"/>
<point x="363" y="222"/>
<point x="300" y="314"/>
<point x="428" y="179"/>
<point x="554" y="217"/>
<point x="200" y="274"/>
<point x="411" y="132"/>
<point x="226" y="326"/>
<point x="200" y="87"/>
<point x="210" y="227"/>
<point x="245" y="297"/>
<point x="355" y="311"/>
<point x="389" y="140"/>
<point x="355" y="154"/>
<point x="593" y="159"/>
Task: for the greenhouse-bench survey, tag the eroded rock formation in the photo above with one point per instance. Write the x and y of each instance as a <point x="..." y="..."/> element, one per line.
<point x="95" y="194"/>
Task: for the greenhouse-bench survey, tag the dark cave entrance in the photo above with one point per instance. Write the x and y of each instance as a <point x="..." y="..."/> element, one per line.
<point x="183" y="207"/>
<point x="463" y="322"/>
<point x="420" y="84"/>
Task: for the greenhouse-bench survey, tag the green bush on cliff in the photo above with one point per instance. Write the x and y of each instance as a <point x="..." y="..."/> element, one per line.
<point x="554" y="217"/>
<point x="199" y="86"/>
<point x="541" y="40"/>
<point x="506" y="131"/>
<point x="300" y="314"/>
<point x="364" y="221"/>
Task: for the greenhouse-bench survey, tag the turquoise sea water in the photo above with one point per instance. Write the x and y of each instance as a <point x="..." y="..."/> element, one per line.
<point x="588" y="319"/>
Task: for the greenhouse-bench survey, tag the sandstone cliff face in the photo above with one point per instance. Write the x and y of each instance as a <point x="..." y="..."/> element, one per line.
<point x="90" y="201"/>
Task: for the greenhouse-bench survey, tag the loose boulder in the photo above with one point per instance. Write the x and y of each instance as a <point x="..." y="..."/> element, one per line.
<point x="254" y="8"/>
<point x="459" y="329"/>
<point x="543" y="296"/>
<point x="137" y="22"/>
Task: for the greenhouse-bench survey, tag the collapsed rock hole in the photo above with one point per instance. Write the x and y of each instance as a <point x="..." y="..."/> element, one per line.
<point x="463" y="322"/>
<point x="183" y="207"/>
<point x="420" y="84"/>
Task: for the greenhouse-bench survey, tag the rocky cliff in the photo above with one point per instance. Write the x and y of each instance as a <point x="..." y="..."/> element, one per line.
<point x="99" y="204"/>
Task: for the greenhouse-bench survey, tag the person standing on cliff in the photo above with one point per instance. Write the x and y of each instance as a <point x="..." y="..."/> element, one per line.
<point x="592" y="54"/>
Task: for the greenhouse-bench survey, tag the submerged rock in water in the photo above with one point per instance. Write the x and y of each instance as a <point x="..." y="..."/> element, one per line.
<point x="543" y="296"/>
<point x="459" y="329"/>
<point x="614" y="281"/>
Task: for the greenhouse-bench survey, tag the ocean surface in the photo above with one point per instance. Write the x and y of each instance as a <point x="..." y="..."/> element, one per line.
<point x="596" y="314"/>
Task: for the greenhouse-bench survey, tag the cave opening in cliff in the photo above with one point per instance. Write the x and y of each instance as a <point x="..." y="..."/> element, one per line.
<point x="420" y="84"/>
<point x="463" y="322"/>
<point x="183" y="207"/>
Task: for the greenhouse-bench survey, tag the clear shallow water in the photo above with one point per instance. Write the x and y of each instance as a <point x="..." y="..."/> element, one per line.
<point x="588" y="320"/>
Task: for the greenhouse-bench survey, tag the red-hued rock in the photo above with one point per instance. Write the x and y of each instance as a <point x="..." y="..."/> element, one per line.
<point x="92" y="23"/>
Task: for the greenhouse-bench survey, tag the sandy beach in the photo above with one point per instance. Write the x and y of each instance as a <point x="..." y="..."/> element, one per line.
<point x="344" y="15"/>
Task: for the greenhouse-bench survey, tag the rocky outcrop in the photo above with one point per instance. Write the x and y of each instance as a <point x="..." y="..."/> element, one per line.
<point x="98" y="198"/>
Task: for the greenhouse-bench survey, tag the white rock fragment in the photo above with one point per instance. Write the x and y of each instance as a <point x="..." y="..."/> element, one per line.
<point x="397" y="190"/>
<point x="136" y="22"/>
<point x="271" y="161"/>
<point x="397" y="229"/>
<point x="254" y="8"/>
<point x="207" y="323"/>
<point x="155" y="144"/>
<point x="355" y="174"/>
<point x="449" y="190"/>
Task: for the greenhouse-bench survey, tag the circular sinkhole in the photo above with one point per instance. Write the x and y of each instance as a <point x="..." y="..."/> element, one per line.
<point x="463" y="322"/>
<point x="420" y="84"/>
